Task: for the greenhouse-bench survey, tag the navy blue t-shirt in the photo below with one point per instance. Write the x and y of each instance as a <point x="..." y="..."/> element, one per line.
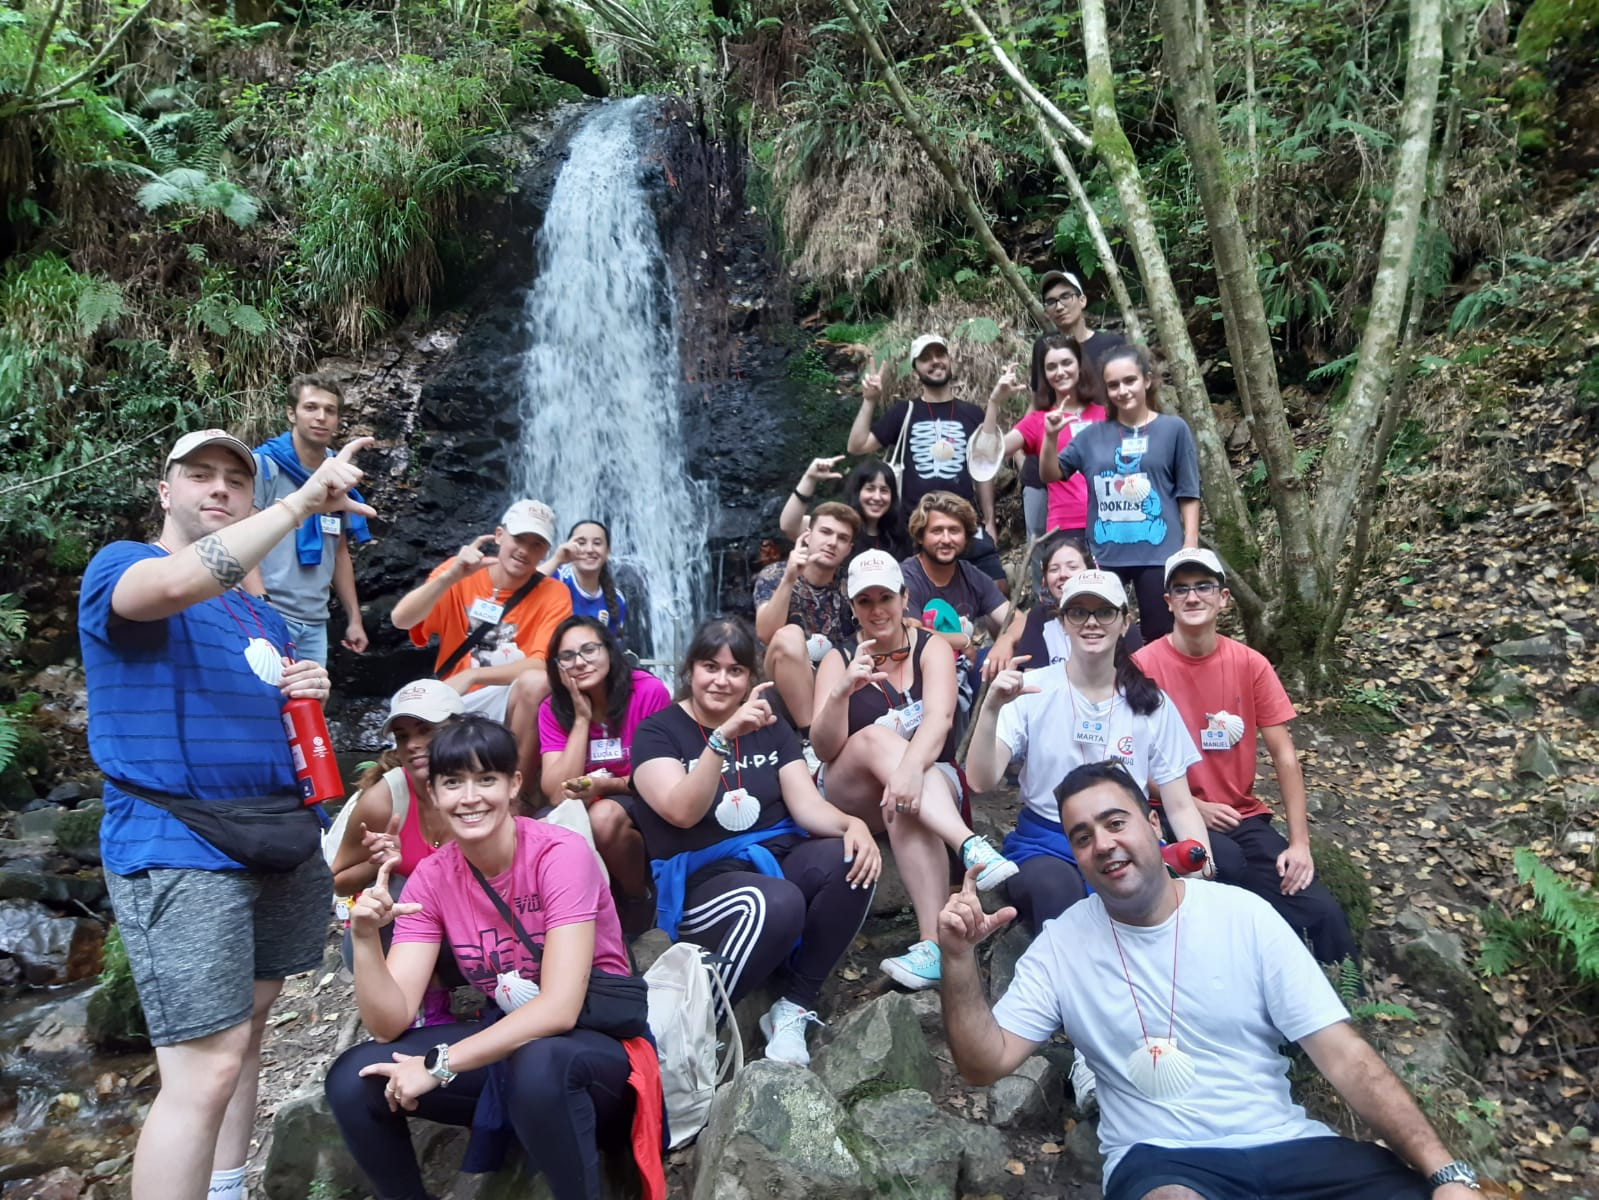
<point x="175" y="707"/>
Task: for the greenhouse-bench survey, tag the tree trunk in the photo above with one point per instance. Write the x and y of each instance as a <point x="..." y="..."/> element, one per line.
<point x="1186" y="48"/>
<point x="941" y="162"/>
<point x="1224" y="502"/>
<point x="1340" y="493"/>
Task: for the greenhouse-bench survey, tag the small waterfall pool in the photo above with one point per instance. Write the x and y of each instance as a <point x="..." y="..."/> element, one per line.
<point x="601" y="386"/>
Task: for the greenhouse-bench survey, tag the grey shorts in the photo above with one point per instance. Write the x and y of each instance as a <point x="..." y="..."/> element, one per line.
<point x="198" y="940"/>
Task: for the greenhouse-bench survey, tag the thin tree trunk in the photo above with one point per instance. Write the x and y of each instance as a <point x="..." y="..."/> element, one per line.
<point x="1224" y="502"/>
<point x="1342" y="474"/>
<point x="1185" y="42"/>
<point x="941" y="162"/>
<point x="39" y="50"/>
<point x="1251" y="133"/>
<point x="1040" y="101"/>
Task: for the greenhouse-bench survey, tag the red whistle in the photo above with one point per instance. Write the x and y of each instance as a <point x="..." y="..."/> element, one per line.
<point x="1185" y="857"/>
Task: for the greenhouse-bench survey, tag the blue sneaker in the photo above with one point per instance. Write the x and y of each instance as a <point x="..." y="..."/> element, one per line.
<point x="979" y="852"/>
<point x="922" y="966"/>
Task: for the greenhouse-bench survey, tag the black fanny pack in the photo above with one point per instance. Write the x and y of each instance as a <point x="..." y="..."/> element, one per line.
<point x="264" y="833"/>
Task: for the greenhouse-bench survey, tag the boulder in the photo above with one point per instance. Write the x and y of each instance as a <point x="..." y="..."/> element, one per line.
<point x="63" y="1183"/>
<point x="64" y="1027"/>
<point x="51" y="949"/>
<point x="72" y="791"/>
<point x="1442" y="942"/>
<point x="913" y="1148"/>
<point x="878" y="1047"/>
<point x="78" y="831"/>
<point x="18" y="882"/>
<point x="776" y="1132"/>
<point x="1537" y="759"/>
<point x="40" y="822"/>
<point x="1004" y="952"/>
<point x="1035" y="1094"/>
<point x="1542" y="646"/>
<point x="1080" y="1149"/>
<point x="307" y="1155"/>
<point x="648" y="947"/>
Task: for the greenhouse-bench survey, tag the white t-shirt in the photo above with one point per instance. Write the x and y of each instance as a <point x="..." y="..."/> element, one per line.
<point x="1245" y="985"/>
<point x="1041" y="727"/>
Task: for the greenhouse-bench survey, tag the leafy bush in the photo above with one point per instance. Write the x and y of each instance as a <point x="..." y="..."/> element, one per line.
<point x="1560" y="936"/>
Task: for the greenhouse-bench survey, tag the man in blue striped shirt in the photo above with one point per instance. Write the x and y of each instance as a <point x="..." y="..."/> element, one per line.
<point x="187" y="677"/>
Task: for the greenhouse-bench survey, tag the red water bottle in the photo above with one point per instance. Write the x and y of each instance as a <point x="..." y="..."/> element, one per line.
<point x="1185" y="857"/>
<point x="312" y="750"/>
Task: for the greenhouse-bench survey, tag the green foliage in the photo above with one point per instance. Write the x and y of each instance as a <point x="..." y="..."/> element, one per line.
<point x="1348" y="883"/>
<point x="186" y="147"/>
<point x="1552" y="26"/>
<point x="1562" y="935"/>
<point x="388" y="158"/>
<point x="115" y="1020"/>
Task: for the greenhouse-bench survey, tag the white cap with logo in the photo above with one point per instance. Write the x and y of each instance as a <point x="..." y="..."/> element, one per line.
<point x="1195" y="556"/>
<point x="530" y="516"/>
<point x="874" y="568"/>
<point x="923" y="342"/>
<point x="1103" y="584"/>
<point x="193" y="443"/>
<point x="429" y="700"/>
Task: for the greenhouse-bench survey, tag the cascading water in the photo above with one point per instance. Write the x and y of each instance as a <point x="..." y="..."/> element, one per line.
<point x="601" y="386"/>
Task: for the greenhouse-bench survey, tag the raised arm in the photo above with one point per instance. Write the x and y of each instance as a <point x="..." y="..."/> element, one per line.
<point x="153" y="589"/>
<point x="861" y="438"/>
<point x="684" y="797"/>
<point x="987" y="755"/>
<point x="1049" y="468"/>
<point x="772" y="614"/>
<point x="416" y="604"/>
<point x="358" y="858"/>
<point x="387" y="992"/>
<point x="792" y="519"/>
<point x="983" y="1051"/>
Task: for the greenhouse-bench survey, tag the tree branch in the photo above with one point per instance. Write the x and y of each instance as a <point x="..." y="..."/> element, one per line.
<point x="105" y="52"/>
<point x="1040" y="101"/>
<point x="38" y="51"/>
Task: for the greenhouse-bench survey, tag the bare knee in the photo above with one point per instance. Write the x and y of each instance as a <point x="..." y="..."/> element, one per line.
<point x="787" y="645"/>
<point x="610" y="822"/>
<point x="1173" y="1191"/>
<point x="528" y="691"/>
<point x="201" y="1075"/>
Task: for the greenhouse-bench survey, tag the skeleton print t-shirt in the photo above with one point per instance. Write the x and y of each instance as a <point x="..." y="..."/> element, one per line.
<point x="935" y="445"/>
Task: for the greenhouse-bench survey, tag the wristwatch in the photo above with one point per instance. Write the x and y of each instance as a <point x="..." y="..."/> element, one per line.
<point x="718" y="744"/>
<point x="437" y="1062"/>
<point x="1454" y="1172"/>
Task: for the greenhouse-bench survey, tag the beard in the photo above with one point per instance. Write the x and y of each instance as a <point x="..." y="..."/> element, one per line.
<point x="949" y="378"/>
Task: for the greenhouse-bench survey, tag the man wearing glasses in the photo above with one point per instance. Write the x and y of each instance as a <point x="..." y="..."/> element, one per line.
<point x="494" y="614"/>
<point x="1066" y="305"/>
<point x="1226" y="692"/>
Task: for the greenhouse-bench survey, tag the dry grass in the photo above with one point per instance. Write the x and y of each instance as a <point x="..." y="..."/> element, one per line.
<point x="977" y="363"/>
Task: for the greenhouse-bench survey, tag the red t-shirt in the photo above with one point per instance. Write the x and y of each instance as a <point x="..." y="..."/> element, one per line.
<point x="1231" y="678"/>
<point x="1068" y="498"/>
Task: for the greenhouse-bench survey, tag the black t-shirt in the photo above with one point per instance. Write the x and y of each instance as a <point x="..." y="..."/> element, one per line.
<point x="872" y="702"/>
<point x="935" y="446"/>
<point x="756" y="761"/>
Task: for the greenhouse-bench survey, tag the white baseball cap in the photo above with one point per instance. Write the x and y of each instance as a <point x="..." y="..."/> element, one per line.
<point x="923" y="342"/>
<point x="874" y="568"/>
<point x="1103" y="584"/>
<point x="429" y="700"/>
<point x="530" y="516"/>
<point x="1195" y="556"/>
<point x="193" y="443"/>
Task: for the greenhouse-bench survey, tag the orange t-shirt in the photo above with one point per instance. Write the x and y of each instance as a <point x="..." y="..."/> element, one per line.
<point x="522" y="632"/>
<point x="1234" y="678"/>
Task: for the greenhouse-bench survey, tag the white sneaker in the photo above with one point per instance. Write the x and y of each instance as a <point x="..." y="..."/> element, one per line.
<point x="1085" y="1088"/>
<point x="922" y="966"/>
<point x="783" y="1027"/>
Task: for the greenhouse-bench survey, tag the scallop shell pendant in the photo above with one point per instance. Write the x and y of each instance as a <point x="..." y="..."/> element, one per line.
<point x="1159" y="1070"/>
<point x="1135" y="488"/>
<point x="943" y="451"/>
<point x="511" y="991"/>
<point x="1231" y="723"/>
<point x="737" y="810"/>
<point x="264" y="659"/>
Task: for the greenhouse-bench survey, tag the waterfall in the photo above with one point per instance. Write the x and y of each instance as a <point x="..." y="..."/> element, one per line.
<point x="601" y="386"/>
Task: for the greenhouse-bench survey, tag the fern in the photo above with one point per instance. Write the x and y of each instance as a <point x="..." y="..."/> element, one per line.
<point x="10" y="735"/>
<point x="1572" y="913"/>
<point x="99" y="302"/>
<point x="982" y="330"/>
<point x="1335" y="370"/>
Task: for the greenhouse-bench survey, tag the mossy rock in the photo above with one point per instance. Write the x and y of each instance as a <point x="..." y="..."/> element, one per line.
<point x="1555" y="26"/>
<point x="116" y="1021"/>
<point x="1428" y="973"/>
<point x="1348" y="883"/>
<point x="29" y="761"/>
<point x="78" y="831"/>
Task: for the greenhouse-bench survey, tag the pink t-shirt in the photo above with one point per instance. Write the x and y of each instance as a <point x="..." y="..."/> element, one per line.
<point x="609" y="748"/>
<point x="554" y="880"/>
<point x="1068" y="498"/>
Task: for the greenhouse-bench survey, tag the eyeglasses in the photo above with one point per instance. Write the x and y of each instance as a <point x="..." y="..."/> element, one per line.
<point x="1078" y="615"/>
<point x="1062" y="301"/>
<point x="897" y="656"/>
<point x="588" y="652"/>
<point x="1181" y="590"/>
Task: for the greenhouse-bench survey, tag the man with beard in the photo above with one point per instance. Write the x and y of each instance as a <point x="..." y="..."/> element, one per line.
<point x="299" y="571"/>
<point x="941" y="527"/>
<point x="187" y="675"/>
<point x="800" y="608"/>
<point x="1066" y="305"/>
<point x="494" y="614"/>
<point x="1179" y="994"/>
<point x="929" y="435"/>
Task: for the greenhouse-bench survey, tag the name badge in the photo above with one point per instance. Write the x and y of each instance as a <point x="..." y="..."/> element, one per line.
<point x="486" y="611"/>
<point x="1135" y="445"/>
<point x="605" y="749"/>
<point x="1092" y="731"/>
<point x="903" y="721"/>
<point x="332" y="525"/>
<point x="1214" y="739"/>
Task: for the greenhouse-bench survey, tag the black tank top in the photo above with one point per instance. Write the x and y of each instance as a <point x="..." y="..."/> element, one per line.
<point x="874" y="700"/>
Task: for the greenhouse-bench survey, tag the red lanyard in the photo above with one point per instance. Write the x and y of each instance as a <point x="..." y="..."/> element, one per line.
<point x="1171" y="1021"/>
<point x="228" y="608"/>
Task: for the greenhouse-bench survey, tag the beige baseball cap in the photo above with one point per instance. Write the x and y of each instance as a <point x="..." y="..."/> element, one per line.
<point x="193" y="443"/>
<point x="874" y="568"/>
<point x="1195" y="556"/>
<point x="923" y="342"/>
<point x="1103" y="584"/>
<point x="530" y="516"/>
<point x="427" y="700"/>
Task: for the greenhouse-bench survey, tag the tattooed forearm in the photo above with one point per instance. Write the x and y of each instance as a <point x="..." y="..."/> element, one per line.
<point x="219" y="560"/>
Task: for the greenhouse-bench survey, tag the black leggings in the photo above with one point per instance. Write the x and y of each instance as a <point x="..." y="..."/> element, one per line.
<point x="753" y="920"/>
<point x="1247" y="857"/>
<point x="1148" y="584"/>
<point x="560" y="1093"/>
<point x="1043" y="888"/>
